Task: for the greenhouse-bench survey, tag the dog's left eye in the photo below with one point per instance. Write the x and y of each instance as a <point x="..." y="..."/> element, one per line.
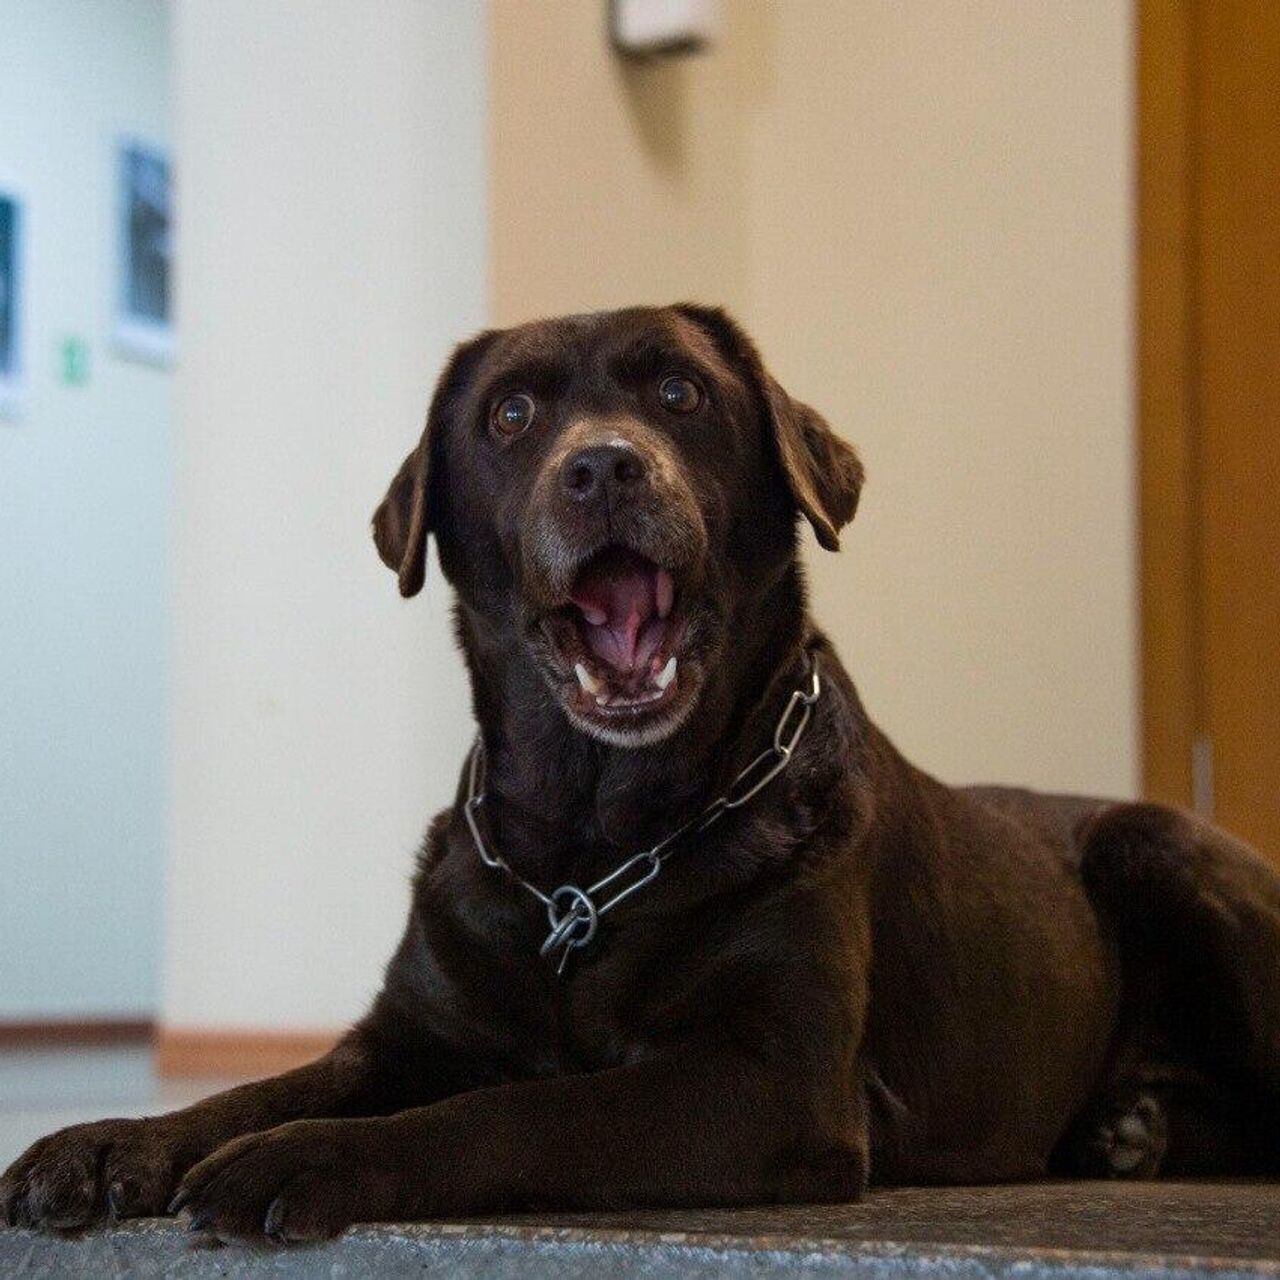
<point x="513" y="415"/>
<point x="679" y="394"/>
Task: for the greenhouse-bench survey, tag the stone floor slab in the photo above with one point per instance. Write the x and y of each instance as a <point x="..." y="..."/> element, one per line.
<point x="1063" y="1231"/>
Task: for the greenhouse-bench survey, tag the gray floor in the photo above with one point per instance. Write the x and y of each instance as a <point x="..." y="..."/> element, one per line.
<point x="43" y="1090"/>
<point x="1045" y="1231"/>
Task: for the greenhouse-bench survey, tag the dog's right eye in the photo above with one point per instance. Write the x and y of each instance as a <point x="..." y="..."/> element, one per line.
<point x="513" y="415"/>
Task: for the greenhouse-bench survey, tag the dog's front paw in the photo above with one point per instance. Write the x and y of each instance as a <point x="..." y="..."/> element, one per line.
<point x="306" y="1180"/>
<point x="80" y="1175"/>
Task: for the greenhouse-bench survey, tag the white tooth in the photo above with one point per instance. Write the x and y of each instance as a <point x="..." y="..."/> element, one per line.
<point x="602" y="699"/>
<point x="667" y="674"/>
<point x="586" y="679"/>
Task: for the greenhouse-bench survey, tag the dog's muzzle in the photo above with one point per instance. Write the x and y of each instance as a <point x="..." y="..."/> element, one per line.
<point x="613" y="553"/>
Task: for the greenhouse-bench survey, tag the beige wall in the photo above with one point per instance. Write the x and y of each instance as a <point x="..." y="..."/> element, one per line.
<point x="610" y="183"/>
<point x="923" y="212"/>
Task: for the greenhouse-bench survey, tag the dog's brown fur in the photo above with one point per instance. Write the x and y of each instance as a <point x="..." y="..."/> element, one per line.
<point x="861" y="976"/>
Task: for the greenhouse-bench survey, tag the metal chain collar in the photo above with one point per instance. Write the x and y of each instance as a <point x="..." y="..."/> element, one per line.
<point x="573" y="913"/>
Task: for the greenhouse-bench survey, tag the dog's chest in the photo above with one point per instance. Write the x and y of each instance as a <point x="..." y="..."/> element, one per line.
<point x="593" y="1021"/>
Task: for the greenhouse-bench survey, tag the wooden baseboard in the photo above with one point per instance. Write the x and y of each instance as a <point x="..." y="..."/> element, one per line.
<point x="236" y="1054"/>
<point x="58" y="1033"/>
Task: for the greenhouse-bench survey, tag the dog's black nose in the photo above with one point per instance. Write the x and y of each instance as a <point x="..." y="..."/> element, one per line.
<point x="600" y="469"/>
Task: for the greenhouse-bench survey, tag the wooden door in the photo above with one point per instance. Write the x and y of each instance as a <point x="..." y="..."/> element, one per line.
<point x="1209" y="354"/>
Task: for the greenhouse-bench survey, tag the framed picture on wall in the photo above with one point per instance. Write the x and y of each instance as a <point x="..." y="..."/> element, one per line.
<point x="11" y="317"/>
<point x="144" y="239"/>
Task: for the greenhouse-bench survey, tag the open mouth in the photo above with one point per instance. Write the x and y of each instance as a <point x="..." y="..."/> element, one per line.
<point x="618" y="634"/>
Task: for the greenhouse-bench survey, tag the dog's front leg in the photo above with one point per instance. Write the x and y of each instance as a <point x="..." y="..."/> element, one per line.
<point x="131" y="1167"/>
<point x="691" y="1128"/>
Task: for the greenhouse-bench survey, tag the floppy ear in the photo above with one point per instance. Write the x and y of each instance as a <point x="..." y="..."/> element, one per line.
<point x="400" y="522"/>
<point x="403" y="518"/>
<point x="823" y="473"/>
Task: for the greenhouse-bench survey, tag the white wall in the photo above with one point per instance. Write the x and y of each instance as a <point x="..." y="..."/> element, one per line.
<point x="85" y="476"/>
<point x="332" y="229"/>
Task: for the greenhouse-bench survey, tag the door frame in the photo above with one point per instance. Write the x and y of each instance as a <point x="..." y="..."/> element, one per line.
<point x="1167" y="397"/>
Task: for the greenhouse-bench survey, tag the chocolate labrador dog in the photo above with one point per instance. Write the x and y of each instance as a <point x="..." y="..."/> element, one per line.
<point x="693" y="932"/>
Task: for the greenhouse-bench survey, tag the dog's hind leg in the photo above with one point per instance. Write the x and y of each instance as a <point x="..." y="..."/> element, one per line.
<point x="1196" y="915"/>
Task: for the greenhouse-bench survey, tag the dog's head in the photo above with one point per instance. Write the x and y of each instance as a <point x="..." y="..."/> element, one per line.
<point x="617" y="493"/>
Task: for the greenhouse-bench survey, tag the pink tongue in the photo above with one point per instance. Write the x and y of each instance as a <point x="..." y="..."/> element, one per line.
<point x="618" y="597"/>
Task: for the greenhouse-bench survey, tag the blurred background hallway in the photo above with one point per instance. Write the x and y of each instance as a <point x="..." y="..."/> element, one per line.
<point x="1024" y="255"/>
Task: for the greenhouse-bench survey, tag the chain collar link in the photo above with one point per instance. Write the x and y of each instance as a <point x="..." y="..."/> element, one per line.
<point x="573" y="913"/>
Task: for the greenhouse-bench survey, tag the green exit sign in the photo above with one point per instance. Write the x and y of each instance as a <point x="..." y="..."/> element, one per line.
<point x="73" y="362"/>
